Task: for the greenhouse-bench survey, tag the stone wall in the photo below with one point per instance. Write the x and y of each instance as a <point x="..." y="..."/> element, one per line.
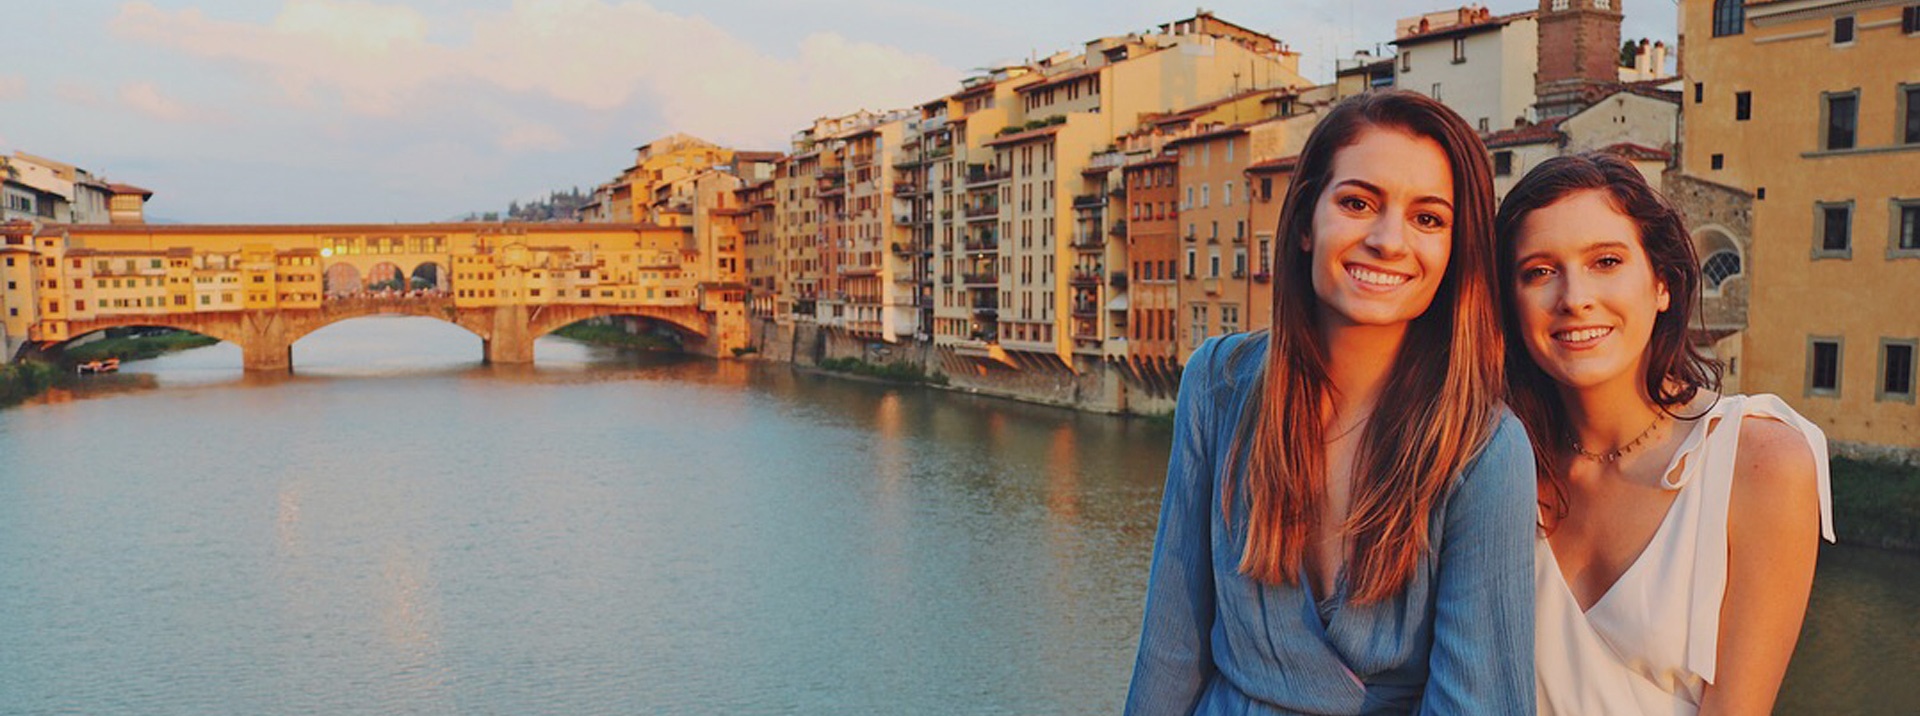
<point x="1097" y="386"/>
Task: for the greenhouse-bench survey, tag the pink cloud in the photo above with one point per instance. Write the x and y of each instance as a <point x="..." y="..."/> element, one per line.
<point x="595" y="55"/>
<point x="146" y="99"/>
<point x="12" y="87"/>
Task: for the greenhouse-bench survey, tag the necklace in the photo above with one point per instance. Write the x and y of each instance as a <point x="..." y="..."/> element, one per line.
<point x="1658" y="418"/>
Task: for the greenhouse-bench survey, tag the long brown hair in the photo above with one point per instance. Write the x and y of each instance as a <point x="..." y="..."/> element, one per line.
<point x="1676" y="371"/>
<point x="1442" y="390"/>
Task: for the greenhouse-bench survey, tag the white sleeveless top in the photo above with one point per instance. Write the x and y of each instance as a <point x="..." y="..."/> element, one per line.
<point x="1648" y="645"/>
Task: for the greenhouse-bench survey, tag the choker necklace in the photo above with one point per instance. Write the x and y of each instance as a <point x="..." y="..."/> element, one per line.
<point x="1658" y="418"/>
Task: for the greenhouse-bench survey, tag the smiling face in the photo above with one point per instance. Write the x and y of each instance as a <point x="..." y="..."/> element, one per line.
<point x="1586" y="295"/>
<point x="1382" y="230"/>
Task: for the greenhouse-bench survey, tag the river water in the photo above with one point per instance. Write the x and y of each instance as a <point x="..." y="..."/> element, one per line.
<point x="397" y="529"/>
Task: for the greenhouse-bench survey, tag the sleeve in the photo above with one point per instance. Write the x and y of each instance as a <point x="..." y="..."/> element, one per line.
<point x="1176" y="657"/>
<point x="1482" y="659"/>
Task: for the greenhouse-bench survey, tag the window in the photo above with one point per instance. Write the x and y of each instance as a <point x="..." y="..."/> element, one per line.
<point x="1226" y="190"/>
<point x="1213" y="262"/>
<point x="1719" y="267"/>
<point x="1842" y="112"/>
<point x="1906" y="229"/>
<point x="1191" y="258"/>
<point x="1485" y="125"/>
<point x="1719" y="161"/>
<point x="1406" y="60"/>
<point x="1603" y="4"/>
<point x="1699" y="92"/>
<point x="1729" y="17"/>
<point x="1835" y="223"/>
<point x="1436" y="92"/>
<point x="1559" y="4"/>
<point x="1503" y="163"/>
<point x="1910" y="20"/>
<point x="1909" y="100"/>
<point x="1742" y="106"/>
<point x="1843" y="30"/>
<point x="1199" y="323"/>
<point x="1459" y="50"/>
<point x="1896" y="370"/>
<point x="1229" y="318"/>
<point x="1823" y="367"/>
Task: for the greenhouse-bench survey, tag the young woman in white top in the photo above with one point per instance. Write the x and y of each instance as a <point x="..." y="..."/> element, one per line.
<point x="1679" y="527"/>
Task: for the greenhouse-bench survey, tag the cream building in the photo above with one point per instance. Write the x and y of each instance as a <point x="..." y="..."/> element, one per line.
<point x="1479" y="64"/>
<point x="1812" y="107"/>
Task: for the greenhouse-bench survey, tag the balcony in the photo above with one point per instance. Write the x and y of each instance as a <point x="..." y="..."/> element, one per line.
<point x="903" y="219"/>
<point x="1117" y="279"/>
<point x="1089" y="201"/>
<point x="1119" y="228"/>
<point x="906" y="188"/>
<point x="981" y="175"/>
<point x="1086" y="309"/>
<point x="907" y="248"/>
<point x="1085" y="277"/>
<point x="984" y="211"/>
<point x="940" y="152"/>
<point x="984" y="244"/>
<point x="980" y="279"/>
<point x="1088" y="242"/>
<point x="1262" y="277"/>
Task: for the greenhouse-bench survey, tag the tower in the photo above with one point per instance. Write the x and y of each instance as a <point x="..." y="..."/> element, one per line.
<point x="1579" y="54"/>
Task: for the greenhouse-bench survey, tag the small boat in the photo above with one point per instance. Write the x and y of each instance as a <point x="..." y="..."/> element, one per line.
<point x="109" y="365"/>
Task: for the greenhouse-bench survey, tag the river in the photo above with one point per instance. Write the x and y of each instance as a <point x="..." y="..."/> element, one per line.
<point x="396" y="528"/>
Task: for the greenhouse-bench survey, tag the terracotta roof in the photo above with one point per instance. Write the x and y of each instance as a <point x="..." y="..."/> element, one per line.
<point x="1493" y="23"/>
<point x="1631" y="150"/>
<point x="1060" y="79"/>
<point x="758" y="156"/>
<point x="1275" y="165"/>
<point x="1548" y="131"/>
<point x="1018" y="137"/>
<point x="128" y="189"/>
<point x="1154" y="161"/>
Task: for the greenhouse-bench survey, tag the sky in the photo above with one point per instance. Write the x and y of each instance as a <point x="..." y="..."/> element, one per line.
<point x="283" y="111"/>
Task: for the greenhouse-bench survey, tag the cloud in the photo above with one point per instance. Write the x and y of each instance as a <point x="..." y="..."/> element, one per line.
<point x="12" y="87"/>
<point x="146" y="99"/>
<point x="531" y="137"/>
<point x="78" y="94"/>
<point x="600" y="56"/>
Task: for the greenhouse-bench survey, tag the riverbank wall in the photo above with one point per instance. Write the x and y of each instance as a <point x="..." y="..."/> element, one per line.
<point x="1090" y="385"/>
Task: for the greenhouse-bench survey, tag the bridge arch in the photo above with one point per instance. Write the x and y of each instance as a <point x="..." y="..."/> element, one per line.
<point x="687" y="321"/>
<point x="428" y="276"/>
<point x="385" y="276"/>
<point x="341" y="279"/>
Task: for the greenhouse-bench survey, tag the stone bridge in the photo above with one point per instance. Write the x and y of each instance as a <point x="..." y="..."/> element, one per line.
<point x="266" y="337"/>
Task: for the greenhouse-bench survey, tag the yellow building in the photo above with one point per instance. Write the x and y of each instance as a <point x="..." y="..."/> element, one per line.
<point x="1813" y="107"/>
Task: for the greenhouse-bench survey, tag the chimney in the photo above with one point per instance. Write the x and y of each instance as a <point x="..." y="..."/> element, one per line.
<point x="1641" y="60"/>
<point x="1659" y="58"/>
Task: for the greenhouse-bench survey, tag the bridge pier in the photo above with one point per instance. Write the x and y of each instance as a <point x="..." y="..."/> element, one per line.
<point x="511" y="340"/>
<point x="263" y="345"/>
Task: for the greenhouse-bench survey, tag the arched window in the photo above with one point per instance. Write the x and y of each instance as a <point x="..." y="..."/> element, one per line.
<point x="1719" y="267"/>
<point x="1729" y="17"/>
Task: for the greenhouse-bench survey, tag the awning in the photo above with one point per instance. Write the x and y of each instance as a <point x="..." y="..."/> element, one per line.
<point x="1119" y="303"/>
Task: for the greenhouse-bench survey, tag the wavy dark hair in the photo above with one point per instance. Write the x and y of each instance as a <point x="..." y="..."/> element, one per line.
<point x="1676" y="370"/>
<point x="1442" y="393"/>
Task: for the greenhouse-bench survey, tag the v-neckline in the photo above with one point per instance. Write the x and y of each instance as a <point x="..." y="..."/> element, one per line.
<point x="1705" y="424"/>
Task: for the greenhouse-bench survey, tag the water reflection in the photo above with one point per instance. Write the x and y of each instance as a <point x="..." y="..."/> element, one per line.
<point x="399" y="528"/>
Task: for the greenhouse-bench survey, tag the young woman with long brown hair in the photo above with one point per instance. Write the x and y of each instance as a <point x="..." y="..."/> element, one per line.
<point x="1348" y="518"/>
<point x="1679" y="526"/>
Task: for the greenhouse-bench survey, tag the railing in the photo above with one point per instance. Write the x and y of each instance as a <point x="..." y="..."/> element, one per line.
<point x="983" y="211"/>
<point x="905" y="188"/>
<point x="1117" y="279"/>
<point x="987" y="175"/>
<point x="903" y="218"/>
<point x="1085" y="277"/>
<point x="1088" y="242"/>
<point x="983" y="244"/>
<point x="1119" y="228"/>
<point x="1262" y="277"/>
<point x="1089" y="201"/>
<point x="1086" y="309"/>
<point x="980" y="279"/>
